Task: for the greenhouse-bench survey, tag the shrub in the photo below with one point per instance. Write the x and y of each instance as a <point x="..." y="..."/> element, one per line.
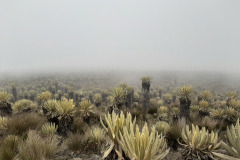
<point x="23" y="106"/>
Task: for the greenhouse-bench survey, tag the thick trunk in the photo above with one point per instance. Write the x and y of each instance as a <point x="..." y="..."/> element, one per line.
<point x="14" y="92"/>
<point x="146" y="100"/>
<point x="184" y="108"/>
<point x="160" y="93"/>
<point x="146" y="86"/>
<point x="130" y="99"/>
<point x="5" y="108"/>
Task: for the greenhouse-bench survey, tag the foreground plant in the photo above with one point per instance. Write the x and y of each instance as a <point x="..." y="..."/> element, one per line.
<point x="233" y="135"/>
<point x="143" y="145"/>
<point x="114" y="127"/>
<point x="199" y="143"/>
<point x="9" y="147"/>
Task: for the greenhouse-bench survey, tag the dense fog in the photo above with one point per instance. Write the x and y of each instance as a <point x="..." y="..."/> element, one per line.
<point x="46" y="36"/>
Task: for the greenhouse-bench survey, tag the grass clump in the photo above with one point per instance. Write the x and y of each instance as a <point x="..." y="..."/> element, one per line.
<point x="76" y="142"/>
<point x="9" y="147"/>
<point x="20" y="124"/>
<point x="37" y="148"/>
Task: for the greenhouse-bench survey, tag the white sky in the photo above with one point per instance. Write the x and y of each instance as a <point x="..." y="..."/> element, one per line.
<point x="127" y="34"/>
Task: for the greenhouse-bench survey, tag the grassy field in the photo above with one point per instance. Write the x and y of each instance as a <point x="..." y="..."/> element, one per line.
<point x="120" y="115"/>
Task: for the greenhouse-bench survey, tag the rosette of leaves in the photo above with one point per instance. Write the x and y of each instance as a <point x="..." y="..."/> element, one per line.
<point x="97" y="99"/>
<point x="231" y="96"/>
<point x="118" y="97"/>
<point x="167" y="98"/>
<point x="146" y="82"/>
<point x="50" y="108"/>
<point x="163" y="113"/>
<point x="194" y="108"/>
<point x="206" y="95"/>
<point x="185" y="102"/>
<point x="185" y="91"/>
<point x="86" y="108"/>
<point x="199" y="143"/>
<point x="142" y="145"/>
<point x="44" y="97"/>
<point x="231" y="115"/>
<point x="234" y="104"/>
<point x="204" y="108"/>
<point x="217" y="113"/>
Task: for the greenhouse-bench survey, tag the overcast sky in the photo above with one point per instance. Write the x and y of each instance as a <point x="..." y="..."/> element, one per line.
<point x="119" y="34"/>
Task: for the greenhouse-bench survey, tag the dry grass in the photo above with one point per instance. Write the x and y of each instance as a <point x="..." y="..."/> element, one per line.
<point x="37" y="148"/>
<point x="75" y="142"/>
<point x="9" y="147"/>
<point x="79" y="126"/>
<point x="20" y="124"/>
